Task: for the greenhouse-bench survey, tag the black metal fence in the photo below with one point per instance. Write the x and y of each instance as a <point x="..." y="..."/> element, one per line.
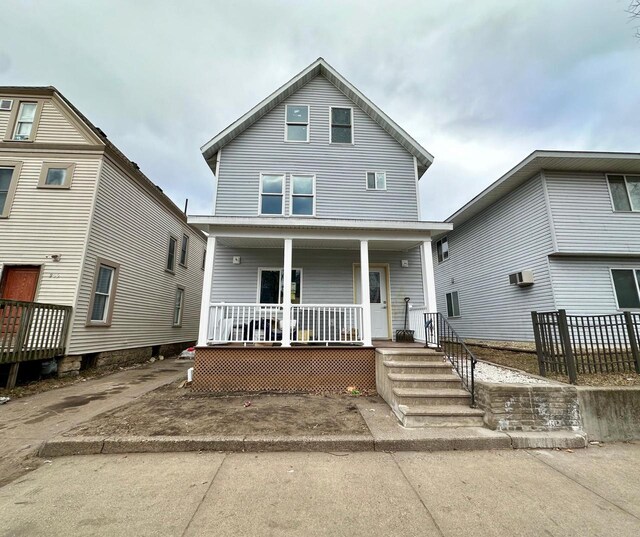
<point x="439" y="333"/>
<point x="583" y="344"/>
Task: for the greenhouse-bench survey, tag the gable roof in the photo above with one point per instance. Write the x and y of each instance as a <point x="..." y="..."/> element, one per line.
<point x="317" y="68"/>
<point x="539" y="160"/>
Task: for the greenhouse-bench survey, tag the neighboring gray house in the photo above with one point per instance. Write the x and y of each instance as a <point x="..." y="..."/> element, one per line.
<point x="561" y="230"/>
<point x="315" y="187"/>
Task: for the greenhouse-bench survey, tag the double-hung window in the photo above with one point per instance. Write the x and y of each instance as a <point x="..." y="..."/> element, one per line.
<point x="625" y="192"/>
<point x="376" y="181"/>
<point x="453" y="305"/>
<point x="104" y="288"/>
<point x="303" y="195"/>
<point x="271" y="194"/>
<point x="184" y="250"/>
<point x="24" y="121"/>
<point x="626" y="283"/>
<point x="442" y="247"/>
<point x="297" y="123"/>
<point x="341" y="125"/>
<point x="178" y="306"/>
<point x="9" y="172"/>
<point x="171" y="254"/>
<point x="271" y="284"/>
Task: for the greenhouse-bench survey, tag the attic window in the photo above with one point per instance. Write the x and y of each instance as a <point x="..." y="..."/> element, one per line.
<point x="6" y="104"/>
<point x="341" y="125"/>
<point x="297" y="123"/>
<point x="24" y="123"/>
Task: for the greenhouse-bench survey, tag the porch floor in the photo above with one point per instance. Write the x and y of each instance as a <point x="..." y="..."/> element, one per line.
<point x="377" y="344"/>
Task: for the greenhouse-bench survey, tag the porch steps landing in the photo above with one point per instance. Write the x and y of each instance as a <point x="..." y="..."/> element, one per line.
<point x="422" y="390"/>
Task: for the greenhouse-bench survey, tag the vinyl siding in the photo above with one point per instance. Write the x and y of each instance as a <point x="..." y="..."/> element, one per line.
<point x="43" y="222"/>
<point x="511" y="235"/>
<point x="584" y="219"/>
<point x="129" y="227"/>
<point x="327" y="275"/>
<point x="55" y="127"/>
<point x="583" y="286"/>
<point x="339" y="168"/>
<point x="4" y="121"/>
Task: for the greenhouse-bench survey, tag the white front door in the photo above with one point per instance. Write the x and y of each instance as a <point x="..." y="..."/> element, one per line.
<point x="378" y="298"/>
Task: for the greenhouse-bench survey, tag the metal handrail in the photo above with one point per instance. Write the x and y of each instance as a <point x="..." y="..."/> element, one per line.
<point x="440" y="333"/>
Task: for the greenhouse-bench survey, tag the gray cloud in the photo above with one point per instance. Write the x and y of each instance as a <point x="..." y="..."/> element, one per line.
<point x="479" y="84"/>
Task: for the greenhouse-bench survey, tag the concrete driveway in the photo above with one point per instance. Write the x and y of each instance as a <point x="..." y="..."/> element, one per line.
<point x="26" y="423"/>
<point x="488" y="493"/>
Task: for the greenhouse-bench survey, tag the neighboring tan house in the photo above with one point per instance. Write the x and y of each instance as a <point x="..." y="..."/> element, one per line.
<point x="83" y="231"/>
<point x="315" y="237"/>
<point x="561" y="230"/>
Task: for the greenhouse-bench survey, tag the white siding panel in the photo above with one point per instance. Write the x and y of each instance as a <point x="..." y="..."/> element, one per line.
<point x="583" y="286"/>
<point x="327" y="275"/>
<point x="340" y="168"/>
<point x="55" y="127"/>
<point x="511" y="235"/>
<point x="43" y="222"/>
<point x="584" y="219"/>
<point x="4" y="122"/>
<point x="132" y="229"/>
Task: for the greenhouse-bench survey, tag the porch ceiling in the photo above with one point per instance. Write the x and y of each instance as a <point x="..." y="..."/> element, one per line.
<point x="317" y="244"/>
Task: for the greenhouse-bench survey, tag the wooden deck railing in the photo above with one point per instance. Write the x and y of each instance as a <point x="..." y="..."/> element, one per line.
<point x="32" y="331"/>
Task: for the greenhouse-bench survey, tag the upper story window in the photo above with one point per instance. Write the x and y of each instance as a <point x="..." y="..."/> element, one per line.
<point x="303" y="195"/>
<point x="625" y="192"/>
<point x="184" y="250"/>
<point x="297" y="123"/>
<point x="453" y="305"/>
<point x="376" y="181"/>
<point x="626" y="283"/>
<point x="442" y="247"/>
<point x="104" y="288"/>
<point x="271" y="194"/>
<point x="171" y="254"/>
<point x="24" y="121"/>
<point x="341" y="125"/>
<point x="9" y="172"/>
<point x="56" y="175"/>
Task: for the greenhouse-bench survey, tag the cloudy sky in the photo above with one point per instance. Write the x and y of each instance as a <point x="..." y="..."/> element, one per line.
<point x="479" y="84"/>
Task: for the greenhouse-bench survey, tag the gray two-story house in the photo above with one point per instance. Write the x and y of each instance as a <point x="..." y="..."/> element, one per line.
<point x="315" y="236"/>
<point x="558" y="231"/>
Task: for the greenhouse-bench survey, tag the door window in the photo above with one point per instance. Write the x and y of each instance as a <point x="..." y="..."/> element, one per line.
<point x="374" y="288"/>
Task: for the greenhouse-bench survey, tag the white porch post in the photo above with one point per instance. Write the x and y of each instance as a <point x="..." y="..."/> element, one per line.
<point x="205" y="305"/>
<point x="428" y="278"/>
<point x="286" y="299"/>
<point x="364" y="292"/>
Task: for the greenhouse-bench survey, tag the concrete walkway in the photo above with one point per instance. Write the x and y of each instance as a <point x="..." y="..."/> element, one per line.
<point x="488" y="493"/>
<point x="26" y="423"/>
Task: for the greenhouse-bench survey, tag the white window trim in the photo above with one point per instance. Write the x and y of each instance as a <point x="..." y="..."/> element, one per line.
<point x="113" y="285"/>
<point x="439" y="241"/>
<point x="284" y="188"/>
<point x="17" y="122"/>
<point x="353" y="125"/>
<point x="457" y="300"/>
<point x="366" y="180"/>
<point x="181" y="311"/>
<point x="626" y="185"/>
<point x="308" y="124"/>
<point x="280" y="270"/>
<point x="613" y="285"/>
<point x="292" y="195"/>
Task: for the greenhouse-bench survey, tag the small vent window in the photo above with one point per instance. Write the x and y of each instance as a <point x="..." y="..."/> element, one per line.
<point x="6" y="104"/>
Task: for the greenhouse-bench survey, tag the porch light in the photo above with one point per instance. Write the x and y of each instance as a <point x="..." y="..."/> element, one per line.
<point x="404" y="263"/>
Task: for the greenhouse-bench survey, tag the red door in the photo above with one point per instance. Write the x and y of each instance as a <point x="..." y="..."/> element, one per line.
<point x="18" y="283"/>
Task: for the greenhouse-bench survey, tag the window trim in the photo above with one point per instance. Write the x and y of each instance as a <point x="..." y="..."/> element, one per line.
<point x="186" y="251"/>
<point x="366" y="180"/>
<point x="15" y="176"/>
<point x="70" y="168"/>
<point x="626" y="186"/>
<point x="457" y="303"/>
<point x="281" y="270"/>
<point x="287" y="123"/>
<point x="284" y="189"/>
<point x="439" y="242"/>
<point x="166" y="257"/>
<point x="101" y="261"/>
<point x="292" y="195"/>
<point x="353" y="126"/>
<point x="173" y="313"/>
<point x="613" y="286"/>
<point x="13" y="118"/>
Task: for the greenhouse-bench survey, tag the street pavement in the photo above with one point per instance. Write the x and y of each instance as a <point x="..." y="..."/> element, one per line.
<point x="590" y="492"/>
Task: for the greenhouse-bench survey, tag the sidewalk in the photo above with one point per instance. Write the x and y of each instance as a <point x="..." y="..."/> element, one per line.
<point x="28" y="422"/>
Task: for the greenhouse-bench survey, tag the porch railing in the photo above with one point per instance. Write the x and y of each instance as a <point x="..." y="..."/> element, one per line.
<point x="441" y="334"/>
<point x="32" y="331"/>
<point x="416" y="323"/>
<point x="262" y="323"/>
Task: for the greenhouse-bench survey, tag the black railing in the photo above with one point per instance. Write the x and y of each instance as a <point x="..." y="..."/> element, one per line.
<point x="32" y="331"/>
<point x="583" y="344"/>
<point x="439" y="333"/>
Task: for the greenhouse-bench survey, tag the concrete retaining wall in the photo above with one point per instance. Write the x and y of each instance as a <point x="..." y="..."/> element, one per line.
<point x="610" y="413"/>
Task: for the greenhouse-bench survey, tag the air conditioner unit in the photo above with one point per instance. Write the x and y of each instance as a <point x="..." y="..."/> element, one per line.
<point x="524" y="278"/>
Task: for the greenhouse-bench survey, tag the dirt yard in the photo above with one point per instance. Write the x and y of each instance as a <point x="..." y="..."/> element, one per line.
<point x="175" y="411"/>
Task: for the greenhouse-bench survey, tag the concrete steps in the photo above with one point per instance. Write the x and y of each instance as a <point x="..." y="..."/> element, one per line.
<point x="422" y="390"/>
